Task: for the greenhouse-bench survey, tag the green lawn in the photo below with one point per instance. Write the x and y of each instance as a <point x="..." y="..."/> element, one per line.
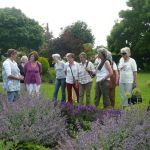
<point x="142" y="79"/>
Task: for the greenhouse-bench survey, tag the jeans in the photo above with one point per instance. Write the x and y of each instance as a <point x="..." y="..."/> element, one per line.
<point x="102" y="88"/>
<point x="58" y="83"/>
<point x="12" y="95"/>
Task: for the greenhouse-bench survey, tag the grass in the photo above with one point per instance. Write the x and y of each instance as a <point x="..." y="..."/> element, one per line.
<point x="48" y="89"/>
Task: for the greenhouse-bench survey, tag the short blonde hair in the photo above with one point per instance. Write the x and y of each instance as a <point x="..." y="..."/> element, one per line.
<point x="126" y="50"/>
<point x="56" y="56"/>
<point x="24" y="58"/>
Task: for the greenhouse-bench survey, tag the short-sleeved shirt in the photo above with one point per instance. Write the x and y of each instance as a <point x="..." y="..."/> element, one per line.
<point x="126" y="69"/>
<point x="84" y="76"/>
<point x="10" y="67"/>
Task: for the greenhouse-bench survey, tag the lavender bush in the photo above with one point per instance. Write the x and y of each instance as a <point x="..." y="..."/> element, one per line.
<point x="31" y="119"/>
<point x="130" y="131"/>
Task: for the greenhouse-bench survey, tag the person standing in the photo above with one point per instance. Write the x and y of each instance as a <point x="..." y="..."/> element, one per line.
<point x="72" y="77"/>
<point x="103" y="73"/>
<point x="86" y="70"/>
<point x="11" y="76"/>
<point x="32" y="71"/>
<point x="127" y="75"/>
<point x="113" y="79"/>
<point x="60" y="77"/>
<point x="24" y="60"/>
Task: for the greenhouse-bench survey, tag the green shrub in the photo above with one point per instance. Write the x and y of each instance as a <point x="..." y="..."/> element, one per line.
<point x="45" y="64"/>
<point x="20" y="145"/>
<point x="49" y="76"/>
<point x="0" y="73"/>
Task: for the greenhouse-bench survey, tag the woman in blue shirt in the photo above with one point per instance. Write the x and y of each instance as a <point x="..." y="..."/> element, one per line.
<point x="60" y="77"/>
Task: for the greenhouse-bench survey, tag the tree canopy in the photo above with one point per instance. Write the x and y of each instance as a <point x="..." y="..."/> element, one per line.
<point x="133" y="30"/>
<point x="16" y="30"/>
<point x="72" y="38"/>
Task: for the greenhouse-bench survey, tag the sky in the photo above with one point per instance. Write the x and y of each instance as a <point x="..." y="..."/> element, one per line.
<point x="99" y="15"/>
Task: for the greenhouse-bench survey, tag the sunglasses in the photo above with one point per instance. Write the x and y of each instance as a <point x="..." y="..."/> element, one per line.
<point x="123" y="53"/>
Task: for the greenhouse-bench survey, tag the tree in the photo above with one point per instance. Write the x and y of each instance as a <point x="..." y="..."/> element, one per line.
<point x="133" y="30"/>
<point x="72" y="38"/>
<point x="17" y="31"/>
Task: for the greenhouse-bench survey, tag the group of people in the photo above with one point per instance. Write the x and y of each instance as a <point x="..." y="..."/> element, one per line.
<point x="79" y="76"/>
<point x="27" y="73"/>
<point x="73" y="75"/>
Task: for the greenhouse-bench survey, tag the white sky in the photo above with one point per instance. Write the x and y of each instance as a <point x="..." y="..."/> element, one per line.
<point x="98" y="14"/>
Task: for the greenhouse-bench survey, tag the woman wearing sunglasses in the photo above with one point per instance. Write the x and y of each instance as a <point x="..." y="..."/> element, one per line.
<point x="127" y="74"/>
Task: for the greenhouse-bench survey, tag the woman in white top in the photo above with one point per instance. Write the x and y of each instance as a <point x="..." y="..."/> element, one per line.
<point x="103" y="73"/>
<point x="127" y="74"/>
<point x="72" y="76"/>
<point x="86" y="70"/>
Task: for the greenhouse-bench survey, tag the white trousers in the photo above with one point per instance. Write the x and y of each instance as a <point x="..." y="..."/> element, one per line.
<point x="124" y="88"/>
<point x="33" y="89"/>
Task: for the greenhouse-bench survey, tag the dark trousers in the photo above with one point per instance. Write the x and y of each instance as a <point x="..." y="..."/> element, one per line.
<point x="102" y="88"/>
<point x="85" y="88"/>
<point x="112" y="96"/>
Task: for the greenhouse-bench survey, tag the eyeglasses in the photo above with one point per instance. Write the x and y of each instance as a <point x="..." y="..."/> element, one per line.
<point x="123" y="53"/>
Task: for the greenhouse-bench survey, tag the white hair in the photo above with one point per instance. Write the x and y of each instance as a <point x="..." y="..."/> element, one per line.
<point x="56" y="56"/>
<point x="24" y="58"/>
<point x="126" y="50"/>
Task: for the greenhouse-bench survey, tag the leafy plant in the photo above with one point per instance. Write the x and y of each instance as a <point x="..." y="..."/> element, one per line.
<point x="31" y="120"/>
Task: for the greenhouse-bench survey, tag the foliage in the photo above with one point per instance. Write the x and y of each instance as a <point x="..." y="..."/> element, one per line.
<point x="133" y="31"/>
<point x="31" y="119"/>
<point x="9" y="145"/>
<point x="130" y="131"/>
<point x="18" y="31"/>
<point x="49" y="77"/>
<point x="72" y="39"/>
<point x="78" y="117"/>
<point x="45" y="64"/>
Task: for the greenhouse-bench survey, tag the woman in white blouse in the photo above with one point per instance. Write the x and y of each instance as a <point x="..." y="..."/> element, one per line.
<point x="72" y="76"/>
<point x="127" y="75"/>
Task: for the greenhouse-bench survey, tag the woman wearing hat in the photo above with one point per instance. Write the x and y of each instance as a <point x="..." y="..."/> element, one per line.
<point x="11" y="76"/>
<point x="103" y="73"/>
<point x="127" y="74"/>
<point x="60" y="77"/>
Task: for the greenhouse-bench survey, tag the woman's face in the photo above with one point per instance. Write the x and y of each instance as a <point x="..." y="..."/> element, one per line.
<point x="32" y="58"/>
<point x="14" y="56"/>
<point x="69" y="59"/>
<point x="100" y="55"/>
<point x="124" y="55"/>
<point x="82" y="58"/>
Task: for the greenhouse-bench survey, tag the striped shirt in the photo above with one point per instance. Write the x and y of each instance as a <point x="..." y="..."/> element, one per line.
<point x="84" y="76"/>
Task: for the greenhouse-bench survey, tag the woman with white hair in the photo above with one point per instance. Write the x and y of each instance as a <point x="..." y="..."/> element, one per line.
<point x="127" y="74"/>
<point x="23" y="61"/>
<point x="103" y="73"/>
<point x="60" y="77"/>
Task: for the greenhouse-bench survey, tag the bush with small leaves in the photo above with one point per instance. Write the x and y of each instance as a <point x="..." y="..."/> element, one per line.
<point x="31" y="119"/>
